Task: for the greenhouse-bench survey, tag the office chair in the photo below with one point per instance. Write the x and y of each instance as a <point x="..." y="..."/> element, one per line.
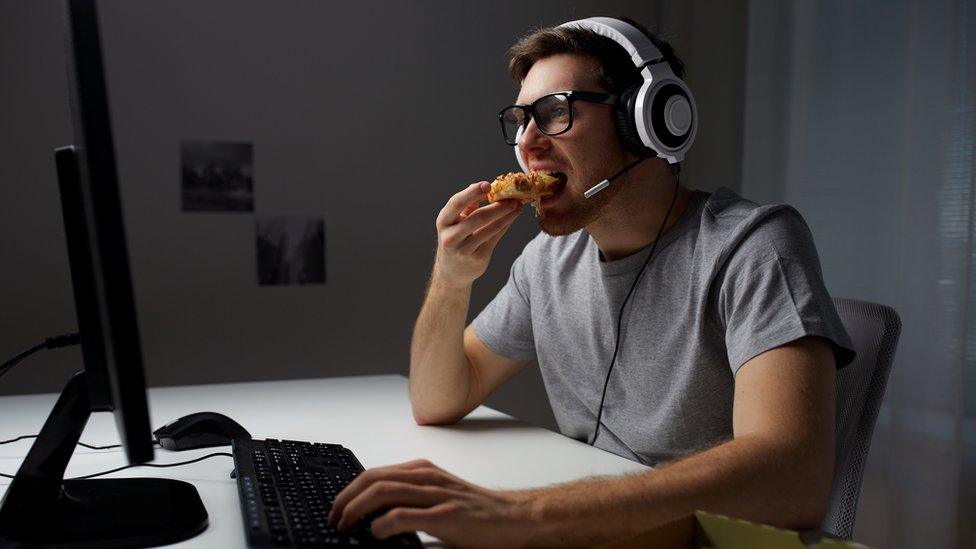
<point x="874" y="330"/>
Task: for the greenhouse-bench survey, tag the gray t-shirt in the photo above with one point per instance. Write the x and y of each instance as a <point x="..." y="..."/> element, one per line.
<point x="729" y="281"/>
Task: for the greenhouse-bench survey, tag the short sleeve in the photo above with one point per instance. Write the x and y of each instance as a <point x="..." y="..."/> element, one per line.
<point x="505" y="325"/>
<point x="772" y="292"/>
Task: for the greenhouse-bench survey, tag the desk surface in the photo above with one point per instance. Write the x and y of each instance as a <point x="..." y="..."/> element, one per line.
<point x="369" y="415"/>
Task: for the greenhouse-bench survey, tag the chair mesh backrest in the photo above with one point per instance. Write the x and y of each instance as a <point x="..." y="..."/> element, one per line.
<point x="874" y="331"/>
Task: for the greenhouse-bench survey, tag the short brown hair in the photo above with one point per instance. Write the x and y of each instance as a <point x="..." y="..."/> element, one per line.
<point x="617" y="71"/>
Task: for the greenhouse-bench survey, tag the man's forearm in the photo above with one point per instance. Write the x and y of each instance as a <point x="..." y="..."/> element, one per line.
<point x="747" y="478"/>
<point x="439" y="373"/>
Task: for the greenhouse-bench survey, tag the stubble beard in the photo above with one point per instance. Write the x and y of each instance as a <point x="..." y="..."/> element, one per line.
<point x="580" y="213"/>
<point x="583" y="211"/>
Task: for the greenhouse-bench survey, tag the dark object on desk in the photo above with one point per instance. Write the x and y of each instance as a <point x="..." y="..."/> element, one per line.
<point x="199" y="430"/>
<point x="40" y="508"/>
<point x="287" y="488"/>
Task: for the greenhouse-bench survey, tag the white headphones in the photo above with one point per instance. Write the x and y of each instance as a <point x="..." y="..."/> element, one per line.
<point x="656" y="117"/>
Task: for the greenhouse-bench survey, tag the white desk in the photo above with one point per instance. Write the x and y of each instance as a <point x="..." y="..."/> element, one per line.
<point x="369" y="415"/>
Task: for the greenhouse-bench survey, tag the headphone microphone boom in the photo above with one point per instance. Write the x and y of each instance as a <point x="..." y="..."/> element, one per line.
<point x="606" y="182"/>
<point x="657" y="117"/>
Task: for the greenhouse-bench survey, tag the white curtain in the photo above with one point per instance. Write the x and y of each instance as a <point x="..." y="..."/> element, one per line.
<point x="861" y="114"/>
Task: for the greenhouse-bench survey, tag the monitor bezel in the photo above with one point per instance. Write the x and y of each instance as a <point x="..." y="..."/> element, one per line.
<point x="115" y="365"/>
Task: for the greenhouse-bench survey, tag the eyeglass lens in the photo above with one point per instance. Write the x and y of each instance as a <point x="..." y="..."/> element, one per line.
<point x="551" y="112"/>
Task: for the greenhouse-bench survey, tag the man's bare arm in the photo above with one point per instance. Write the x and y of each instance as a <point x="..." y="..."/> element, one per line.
<point x="451" y="372"/>
<point x="777" y="469"/>
<point x="447" y="379"/>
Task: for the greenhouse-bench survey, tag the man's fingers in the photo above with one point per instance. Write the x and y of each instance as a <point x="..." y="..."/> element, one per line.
<point x="496" y="228"/>
<point x="488" y="247"/>
<point x="486" y="214"/>
<point x="419" y="471"/>
<point x="471" y="208"/>
<point x="386" y="494"/>
<point x="455" y="236"/>
<point x="458" y="203"/>
<point x="405" y="519"/>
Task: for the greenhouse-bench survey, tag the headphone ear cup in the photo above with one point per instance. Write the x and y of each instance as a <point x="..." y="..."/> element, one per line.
<point x="623" y="117"/>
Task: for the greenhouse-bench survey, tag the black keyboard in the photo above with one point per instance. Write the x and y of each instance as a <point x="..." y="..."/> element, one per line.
<point x="287" y="488"/>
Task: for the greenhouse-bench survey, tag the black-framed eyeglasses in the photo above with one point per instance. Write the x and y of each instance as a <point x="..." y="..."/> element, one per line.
<point x="553" y="113"/>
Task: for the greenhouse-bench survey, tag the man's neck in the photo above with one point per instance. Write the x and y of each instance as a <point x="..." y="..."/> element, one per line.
<point x="631" y="221"/>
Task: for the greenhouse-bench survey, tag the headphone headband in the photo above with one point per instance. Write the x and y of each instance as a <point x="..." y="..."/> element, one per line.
<point x="640" y="48"/>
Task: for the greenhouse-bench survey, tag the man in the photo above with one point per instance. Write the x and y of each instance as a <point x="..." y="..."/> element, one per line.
<point x="723" y="361"/>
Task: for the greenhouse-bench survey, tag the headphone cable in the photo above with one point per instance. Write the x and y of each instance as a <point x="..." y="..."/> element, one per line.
<point x="620" y="316"/>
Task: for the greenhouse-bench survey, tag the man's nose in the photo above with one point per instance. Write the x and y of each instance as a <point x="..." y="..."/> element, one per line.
<point x="532" y="138"/>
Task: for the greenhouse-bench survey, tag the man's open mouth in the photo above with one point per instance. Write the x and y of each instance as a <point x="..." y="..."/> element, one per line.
<point x="557" y="189"/>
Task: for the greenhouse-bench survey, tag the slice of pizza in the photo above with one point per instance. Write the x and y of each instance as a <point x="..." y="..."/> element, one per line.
<point x="525" y="187"/>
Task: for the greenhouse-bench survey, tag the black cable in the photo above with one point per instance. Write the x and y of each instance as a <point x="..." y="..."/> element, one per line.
<point x="56" y="342"/>
<point x="63" y="340"/>
<point x="6" y="366"/>
<point x="157" y="465"/>
<point x="21" y="437"/>
<point x="620" y="317"/>
<point x="109" y="447"/>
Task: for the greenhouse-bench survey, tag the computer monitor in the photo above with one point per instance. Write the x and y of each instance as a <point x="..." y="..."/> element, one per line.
<point x="96" y="242"/>
<point x="40" y="507"/>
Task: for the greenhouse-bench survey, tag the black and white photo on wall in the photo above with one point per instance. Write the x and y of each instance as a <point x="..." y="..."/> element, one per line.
<point x="290" y="250"/>
<point x="217" y="176"/>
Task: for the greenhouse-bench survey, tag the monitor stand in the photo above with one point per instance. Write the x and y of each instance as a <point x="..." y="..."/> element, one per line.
<point x="41" y="508"/>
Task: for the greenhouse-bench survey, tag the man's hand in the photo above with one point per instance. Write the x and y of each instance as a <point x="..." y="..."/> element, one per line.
<point x="467" y="234"/>
<point x="420" y="496"/>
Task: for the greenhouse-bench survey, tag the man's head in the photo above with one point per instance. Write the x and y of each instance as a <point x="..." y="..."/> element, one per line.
<point x="569" y="58"/>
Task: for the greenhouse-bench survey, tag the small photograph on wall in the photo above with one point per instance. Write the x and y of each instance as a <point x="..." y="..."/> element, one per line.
<point x="290" y="250"/>
<point x="217" y="176"/>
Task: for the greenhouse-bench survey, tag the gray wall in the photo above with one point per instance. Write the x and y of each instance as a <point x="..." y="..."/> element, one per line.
<point x="370" y="126"/>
